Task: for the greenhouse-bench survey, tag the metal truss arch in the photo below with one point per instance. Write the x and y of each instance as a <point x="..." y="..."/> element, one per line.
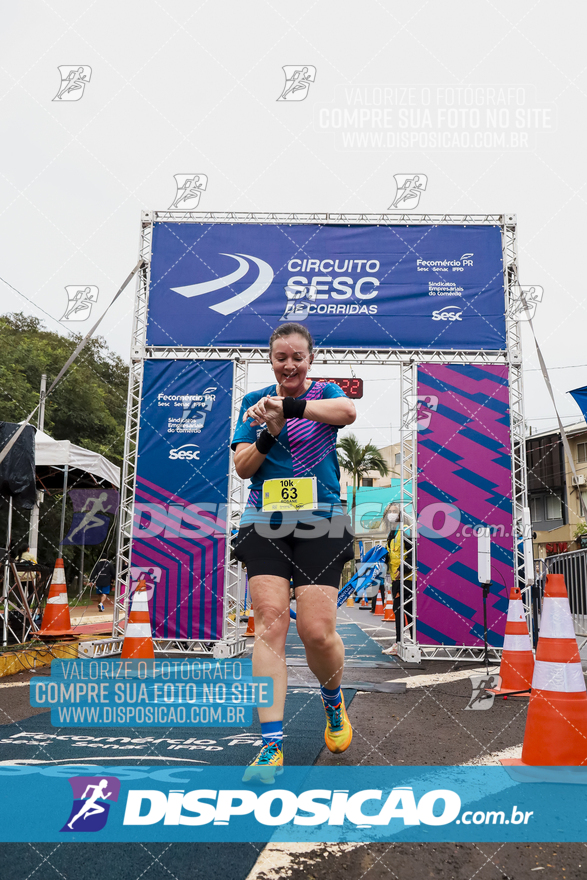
<point x="407" y="360"/>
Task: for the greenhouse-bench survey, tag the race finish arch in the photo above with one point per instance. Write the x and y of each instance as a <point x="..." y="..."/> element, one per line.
<point x="434" y="294"/>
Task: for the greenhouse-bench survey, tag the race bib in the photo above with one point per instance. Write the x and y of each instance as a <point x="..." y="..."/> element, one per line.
<point x="295" y="493"/>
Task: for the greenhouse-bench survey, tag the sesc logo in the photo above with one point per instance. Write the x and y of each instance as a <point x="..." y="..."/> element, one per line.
<point x="187" y="452"/>
<point x="448" y="313"/>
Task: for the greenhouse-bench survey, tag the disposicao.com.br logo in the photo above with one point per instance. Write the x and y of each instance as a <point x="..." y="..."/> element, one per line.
<point x="367" y="808"/>
<point x="203" y="802"/>
<point x="282" y="806"/>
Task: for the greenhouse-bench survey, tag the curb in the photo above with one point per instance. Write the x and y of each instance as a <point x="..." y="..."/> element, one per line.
<point x="13" y="662"/>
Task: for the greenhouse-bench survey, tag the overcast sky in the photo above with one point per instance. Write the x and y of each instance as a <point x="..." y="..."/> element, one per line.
<point x="193" y="87"/>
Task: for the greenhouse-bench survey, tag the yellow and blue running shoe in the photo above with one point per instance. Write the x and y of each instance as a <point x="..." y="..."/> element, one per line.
<point x="267" y="765"/>
<point x="338" y="733"/>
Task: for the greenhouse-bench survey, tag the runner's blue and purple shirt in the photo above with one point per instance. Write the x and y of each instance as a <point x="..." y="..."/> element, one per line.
<point x="303" y="449"/>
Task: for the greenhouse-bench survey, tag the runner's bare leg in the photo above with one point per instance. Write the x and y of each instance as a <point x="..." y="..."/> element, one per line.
<point x="316" y="620"/>
<point x="270" y="596"/>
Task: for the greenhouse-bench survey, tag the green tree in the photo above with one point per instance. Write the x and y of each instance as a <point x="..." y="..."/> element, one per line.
<point x="359" y="460"/>
<point x="88" y="407"/>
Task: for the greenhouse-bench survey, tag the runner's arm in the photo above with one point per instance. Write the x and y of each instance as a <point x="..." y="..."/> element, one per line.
<point x="334" y="411"/>
<point x="247" y="460"/>
<point x="339" y="410"/>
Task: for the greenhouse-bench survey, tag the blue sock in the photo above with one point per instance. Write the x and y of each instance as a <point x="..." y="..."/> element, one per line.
<point x="272" y="731"/>
<point x="332" y="698"/>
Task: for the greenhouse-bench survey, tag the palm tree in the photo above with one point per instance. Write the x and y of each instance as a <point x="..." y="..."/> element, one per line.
<point x="359" y="460"/>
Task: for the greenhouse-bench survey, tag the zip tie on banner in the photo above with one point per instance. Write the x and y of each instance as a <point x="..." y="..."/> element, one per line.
<point x="69" y="362"/>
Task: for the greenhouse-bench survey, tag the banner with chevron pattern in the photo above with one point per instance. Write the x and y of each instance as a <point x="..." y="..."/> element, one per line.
<point x="464" y="481"/>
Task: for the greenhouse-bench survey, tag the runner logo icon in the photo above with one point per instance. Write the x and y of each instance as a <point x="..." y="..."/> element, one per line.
<point x="80" y="299"/>
<point x="237" y="300"/>
<point x="448" y="313"/>
<point x="298" y="302"/>
<point x="524" y="301"/>
<point x="297" y="82"/>
<point x="74" y="79"/>
<point x="90" y="802"/>
<point x="409" y="191"/>
<point x="187" y="452"/>
<point x="188" y="191"/>
<point x="91" y="522"/>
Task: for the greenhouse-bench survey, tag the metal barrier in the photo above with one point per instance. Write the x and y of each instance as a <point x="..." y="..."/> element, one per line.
<point x="573" y="566"/>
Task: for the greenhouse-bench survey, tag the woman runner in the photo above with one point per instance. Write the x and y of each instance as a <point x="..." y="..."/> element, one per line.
<point x="293" y="529"/>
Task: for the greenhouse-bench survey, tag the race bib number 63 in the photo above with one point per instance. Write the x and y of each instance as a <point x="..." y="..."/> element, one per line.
<point x="295" y="493"/>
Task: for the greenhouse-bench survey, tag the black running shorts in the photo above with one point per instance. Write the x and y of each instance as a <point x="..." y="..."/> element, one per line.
<point x="307" y="553"/>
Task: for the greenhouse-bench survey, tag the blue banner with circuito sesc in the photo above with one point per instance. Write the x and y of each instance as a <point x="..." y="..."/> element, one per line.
<point x="356" y="286"/>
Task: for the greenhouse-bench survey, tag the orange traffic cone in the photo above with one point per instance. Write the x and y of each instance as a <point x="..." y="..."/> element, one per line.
<point x="56" y="622"/>
<point x="363" y="603"/>
<point x="379" y="605"/>
<point x="389" y="612"/>
<point x="138" y="639"/>
<point x="251" y="623"/>
<point x="517" y="659"/>
<point x="351" y="600"/>
<point x="556" y="726"/>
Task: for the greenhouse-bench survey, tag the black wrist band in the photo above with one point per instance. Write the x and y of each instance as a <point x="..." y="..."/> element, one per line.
<point x="293" y="409"/>
<point x="265" y="442"/>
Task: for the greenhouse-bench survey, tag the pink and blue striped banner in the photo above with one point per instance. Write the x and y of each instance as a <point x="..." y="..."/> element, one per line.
<point x="464" y="481"/>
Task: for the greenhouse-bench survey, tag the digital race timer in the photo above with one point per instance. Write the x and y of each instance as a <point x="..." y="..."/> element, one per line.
<point x="353" y="388"/>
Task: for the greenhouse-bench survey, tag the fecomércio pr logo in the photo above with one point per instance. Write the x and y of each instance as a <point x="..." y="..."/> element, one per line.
<point x="190" y="411"/>
<point x="91" y="802"/>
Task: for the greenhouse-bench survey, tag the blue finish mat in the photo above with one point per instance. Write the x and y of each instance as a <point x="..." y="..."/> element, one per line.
<point x="35" y="740"/>
<point x="358" y="645"/>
